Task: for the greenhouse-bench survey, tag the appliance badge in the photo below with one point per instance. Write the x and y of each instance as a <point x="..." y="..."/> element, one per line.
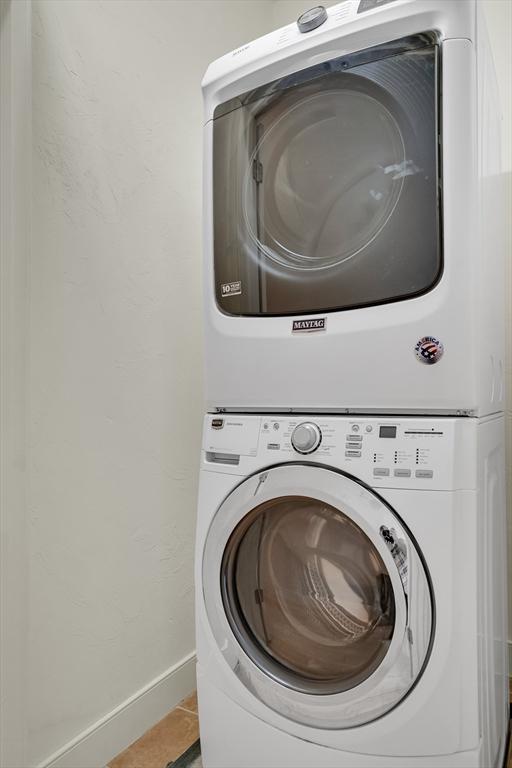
<point x="429" y="350"/>
<point x="309" y="326"/>
<point x="217" y="423"/>
<point x="231" y="289"/>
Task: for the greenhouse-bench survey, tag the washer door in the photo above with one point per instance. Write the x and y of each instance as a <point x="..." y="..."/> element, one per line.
<point x="317" y="596"/>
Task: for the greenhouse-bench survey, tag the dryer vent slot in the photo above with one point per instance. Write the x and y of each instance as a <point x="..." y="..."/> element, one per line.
<point x="223" y="458"/>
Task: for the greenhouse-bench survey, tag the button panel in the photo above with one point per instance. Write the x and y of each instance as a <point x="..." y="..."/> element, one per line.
<point x="417" y="456"/>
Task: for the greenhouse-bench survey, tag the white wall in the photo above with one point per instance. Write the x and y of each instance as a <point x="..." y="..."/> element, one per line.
<point x="115" y="354"/>
<point x="15" y="172"/>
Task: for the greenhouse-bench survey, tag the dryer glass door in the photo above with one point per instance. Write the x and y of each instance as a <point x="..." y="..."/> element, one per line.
<point x="317" y="596"/>
<point x="325" y="185"/>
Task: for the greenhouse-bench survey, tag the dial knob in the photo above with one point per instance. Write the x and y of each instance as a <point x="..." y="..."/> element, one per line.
<point x="306" y="437"/>
<point x="312" y="19"/>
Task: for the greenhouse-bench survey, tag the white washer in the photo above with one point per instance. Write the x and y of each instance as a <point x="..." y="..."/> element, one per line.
<point x="351" y="592"/>
<point x="353" y="215"/>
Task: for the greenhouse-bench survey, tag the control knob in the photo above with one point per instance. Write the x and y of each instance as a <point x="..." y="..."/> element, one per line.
<point x="312" y="19"/>
<point x="306" y="437"/>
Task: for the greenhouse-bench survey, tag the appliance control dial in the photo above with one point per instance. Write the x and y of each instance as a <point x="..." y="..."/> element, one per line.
<point x="312" y="19"/>
<point x="306" y="437"/>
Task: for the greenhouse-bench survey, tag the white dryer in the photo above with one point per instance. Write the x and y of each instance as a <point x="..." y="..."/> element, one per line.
<point x="351" y="593"/>
<point x="353" y="215"/>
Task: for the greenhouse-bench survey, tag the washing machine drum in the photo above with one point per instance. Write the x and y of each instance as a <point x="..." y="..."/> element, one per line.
<point x="317" y="596"/>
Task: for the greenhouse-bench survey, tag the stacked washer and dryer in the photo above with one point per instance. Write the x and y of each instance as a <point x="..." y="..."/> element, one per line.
<point x="351" y="557"/>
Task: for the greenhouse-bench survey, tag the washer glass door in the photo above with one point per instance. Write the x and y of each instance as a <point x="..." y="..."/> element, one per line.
<point x="317" y="596"/>
<point x="308" y="593"/>
<point x="325" y="185"/>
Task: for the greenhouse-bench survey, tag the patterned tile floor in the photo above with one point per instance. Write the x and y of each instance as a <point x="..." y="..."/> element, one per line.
<point x="165" y="741"/>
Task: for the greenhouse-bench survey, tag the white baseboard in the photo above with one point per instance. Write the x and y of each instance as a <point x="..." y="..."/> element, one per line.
<point x="94" y="747"/>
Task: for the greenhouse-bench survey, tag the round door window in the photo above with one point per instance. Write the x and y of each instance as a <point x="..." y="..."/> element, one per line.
<point x="333" y="167"/>
<point x="308" y="595"/>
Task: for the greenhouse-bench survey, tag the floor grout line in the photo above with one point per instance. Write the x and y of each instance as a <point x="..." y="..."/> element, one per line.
<point x="184" y="709"/>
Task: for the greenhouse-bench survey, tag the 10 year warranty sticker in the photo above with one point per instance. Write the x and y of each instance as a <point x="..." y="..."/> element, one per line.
<point x="231" y="289"/>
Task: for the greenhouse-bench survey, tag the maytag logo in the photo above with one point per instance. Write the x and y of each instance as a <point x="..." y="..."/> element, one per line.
<point x="308" y="326"/>
<point x="245" y="47"/>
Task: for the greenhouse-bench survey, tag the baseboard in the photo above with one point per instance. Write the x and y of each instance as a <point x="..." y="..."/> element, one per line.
<point x="94" y="747"/>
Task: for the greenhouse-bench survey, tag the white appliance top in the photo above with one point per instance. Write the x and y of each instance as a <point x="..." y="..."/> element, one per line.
<point x="362" y="23"/>
<point x="409" y="453"/>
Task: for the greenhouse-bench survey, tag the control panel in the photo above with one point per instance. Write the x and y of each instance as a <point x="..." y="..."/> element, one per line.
<point x="399" y="452"/>
<point x="390" y="449"/>
<point x="314" y="20"/>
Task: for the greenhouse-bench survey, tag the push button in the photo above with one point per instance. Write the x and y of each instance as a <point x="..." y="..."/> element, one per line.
<point x="427" y="474"/>
<point x="355" y="438"/>
<point x="402" y="472"/>
<point x="355" y="454"/>
<point x="357" y="446"/>
<point x="381" y="472"/>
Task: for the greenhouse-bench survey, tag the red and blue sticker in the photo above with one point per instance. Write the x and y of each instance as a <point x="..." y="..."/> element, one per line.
<point x="429" y="350"/>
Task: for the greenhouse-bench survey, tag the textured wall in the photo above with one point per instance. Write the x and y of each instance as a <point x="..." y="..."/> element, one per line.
<point x="115" y="346"/>
<point x="15" y="205"/>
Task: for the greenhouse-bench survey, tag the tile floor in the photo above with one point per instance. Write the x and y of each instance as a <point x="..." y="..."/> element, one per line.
<point x="169" y="738"/>
<point x="165" y="741"/>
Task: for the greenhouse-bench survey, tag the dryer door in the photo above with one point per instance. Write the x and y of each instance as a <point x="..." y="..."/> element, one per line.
<point x="325" y="185"/>
<point x="317" y="596"/>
